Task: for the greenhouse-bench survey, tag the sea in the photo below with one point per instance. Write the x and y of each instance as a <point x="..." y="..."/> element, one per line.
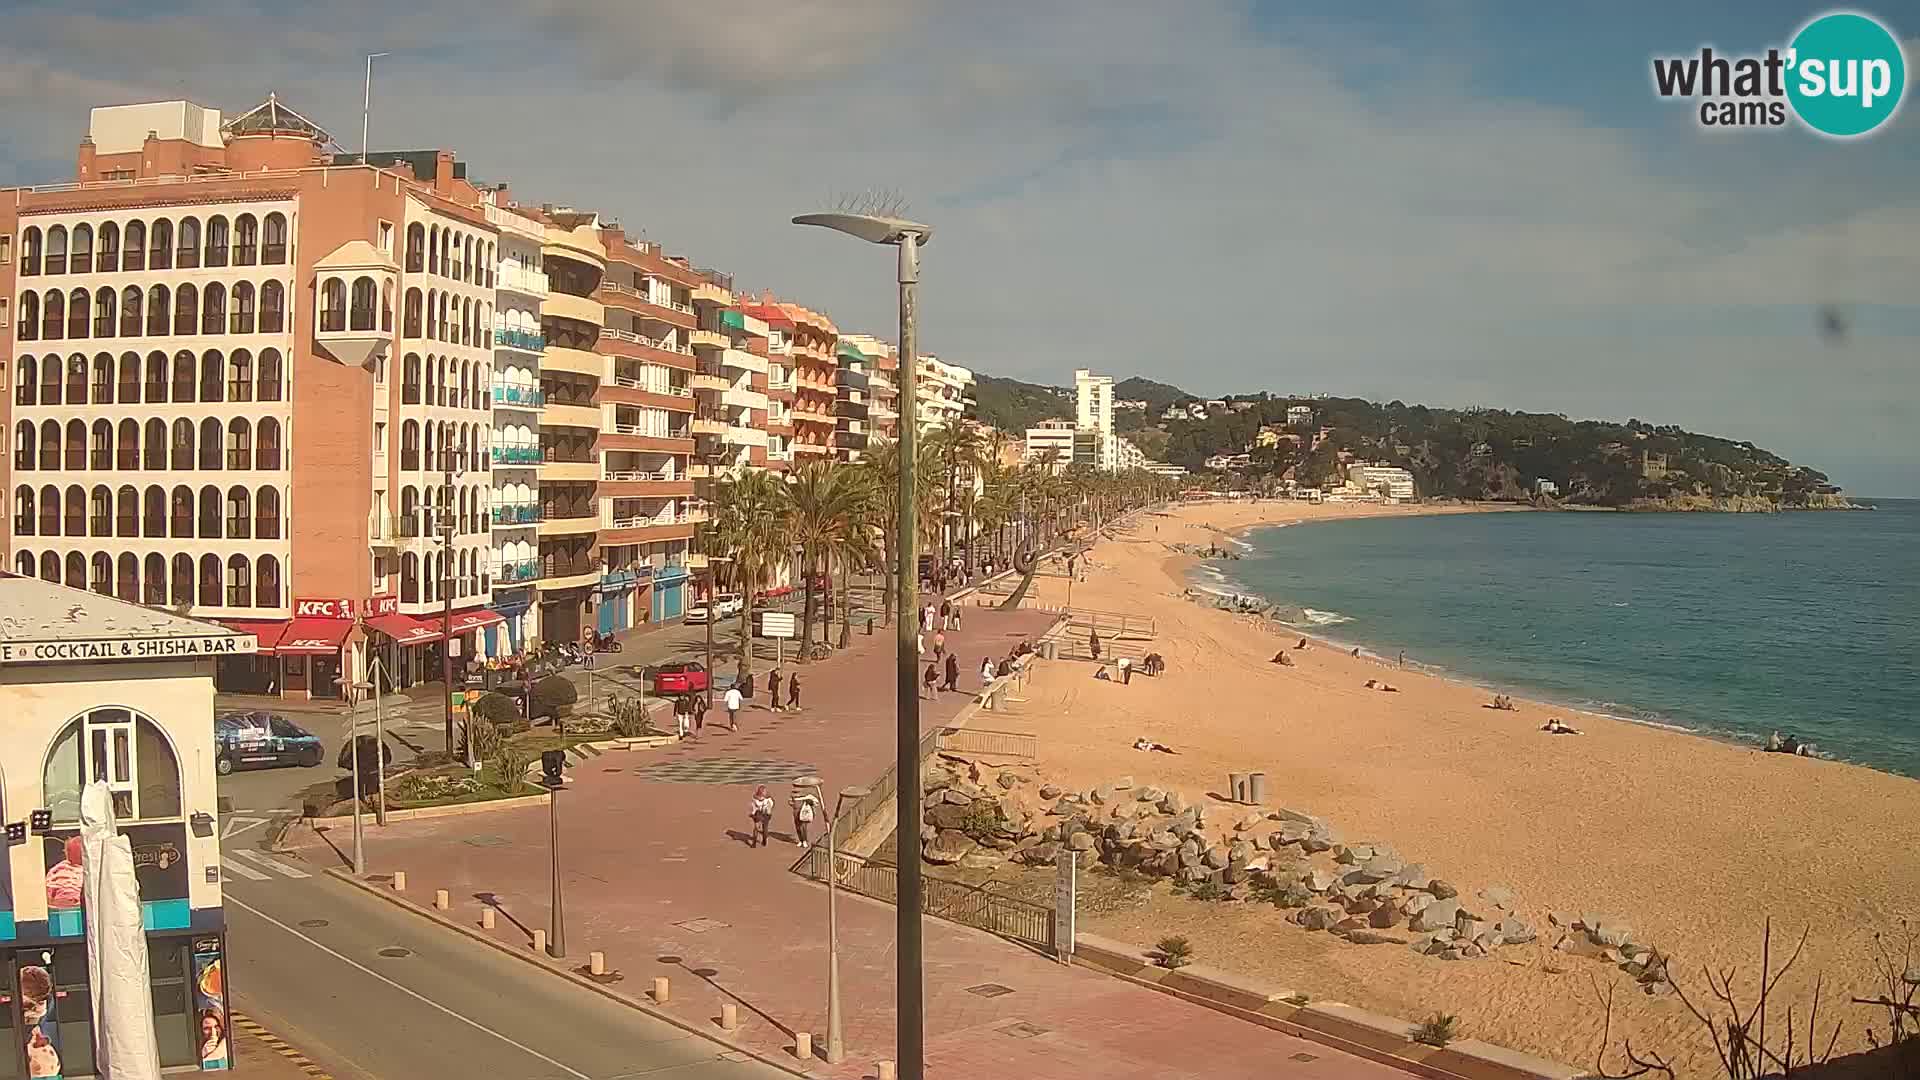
<point x="1728" y="625"/>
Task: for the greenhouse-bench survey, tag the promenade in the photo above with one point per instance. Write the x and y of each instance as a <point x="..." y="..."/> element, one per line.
<point x="659" y="877"/>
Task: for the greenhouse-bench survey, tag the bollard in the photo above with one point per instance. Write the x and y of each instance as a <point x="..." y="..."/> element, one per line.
<point x="729" y="1016"/>
<point x="662" y="993"/>
<point x="869" y="626"/>
<point x="803" y="1044"/>
<point x="883" y="1070"/>
<point x="539" y="941"/>
<point x="486" y="918"/>
<point x="399" y="881"/>
<point x="596" y="963"/>
<point x="440" y="899"/>
<point x="1237" y="787"/>
<point x="1257" y="788"/>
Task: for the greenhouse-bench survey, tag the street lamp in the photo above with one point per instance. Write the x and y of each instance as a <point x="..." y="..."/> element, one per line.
<point x="910" y="1046"/>
<point x="836" y="1046"/>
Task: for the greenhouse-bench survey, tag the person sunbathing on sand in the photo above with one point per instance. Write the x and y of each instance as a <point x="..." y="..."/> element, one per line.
<point x="1282" y="659"/>
<point x="1556" y="726"/>
<point x="1356" y="652"/>
<point x="1143" y="743"/>
<point x="1302" y="645"/>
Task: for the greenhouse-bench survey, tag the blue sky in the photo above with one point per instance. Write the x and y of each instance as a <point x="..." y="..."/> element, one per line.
<point x="1451" y="202"/>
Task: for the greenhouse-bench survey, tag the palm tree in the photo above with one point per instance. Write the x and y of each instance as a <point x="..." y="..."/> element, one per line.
<point x="961" y="449"/>
<point x="881" y="463"/>
<point x="751" y="524"/>
<point x="827" y="499"/>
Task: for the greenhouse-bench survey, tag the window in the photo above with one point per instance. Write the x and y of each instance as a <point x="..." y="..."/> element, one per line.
<point x="136" y="246"/>
<point x="6" y="248"/>
<point x="217" y="241"/>
<point x="266" y="592"/>
<point x="188" y="255"/>
<point x="240" y="376"/>
<point x="246" y="240"/>
<point x="214" y="319"/>
<point x="132" y="305"/>
<point x="333" y="306"/>
<point x="158" y="301"/>
<point x="270" y="388"/>
<point x="124" y="749"/>
<point x="386" y="237"/>
<point x="273" y="240"/>
<point x="239" y="582"/>
<point x="365" y="295"/>
<point x="243" y="308"/>
<point x="29" y="316"/>
<point x="109" y="248"/>
<point x="57" y="250"/>
<point x="267" y="444"/>
<point x="266" y="524"/>
<point x="239" y="444"/>
<point x="30" y="251"/>
<point x="273" y="307"/>
<point x="416" y="249"/>
<point x="186" y="308"/>
<point x="160" y="247"/>
<point x="106" y="314"/>
<point x="82" y="249"/>
<point x="4" y="311"/>
<point x="53" y="318"/>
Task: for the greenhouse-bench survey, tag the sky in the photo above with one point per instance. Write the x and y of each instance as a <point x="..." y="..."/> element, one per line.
<point x="1454" y="203"/>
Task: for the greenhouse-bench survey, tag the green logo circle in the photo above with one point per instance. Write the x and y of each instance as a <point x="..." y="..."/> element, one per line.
<point x="1848" y="74"/>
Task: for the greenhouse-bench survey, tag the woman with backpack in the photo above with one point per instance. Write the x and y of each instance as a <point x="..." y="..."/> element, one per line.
<point x="760" y="812"/>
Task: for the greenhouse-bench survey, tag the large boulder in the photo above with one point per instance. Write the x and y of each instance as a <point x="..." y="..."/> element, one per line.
<point x="947" y="848"/>
<point x="1049" y="792"/>
<point x="1515" y="931"/>
<point x="1173" y="803"/>
<point x="1251" y="819"/>
<point x="1317" y="918"/>
<point x="1319" y="839"/>
<point x="1379" y="868"/>
<point x="1352" y="854"/>
<point x="1081" y="841"/>
<point x="1007" y="781"/>
<point x="1412" y="876"/>
<point x="1384" y="916"/>
<point x="947" y="816"/>
<point x="1318" y="880"/>
<point x="1373" y="937"/>
<point x="1217" y="857"/>
<point x="1150" y="794"/>
<point x="1041" y="854"/>
<point x="1436" y="916"/>
<point x="1414" y="903"/>
<point x="1443" y="890"/>
<point x="1164" y="841"/>
<point x="1240" y="851"/>
<point x="955" y="796"/>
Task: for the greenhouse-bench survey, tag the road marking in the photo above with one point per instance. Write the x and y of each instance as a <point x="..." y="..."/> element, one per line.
<point x="264" y="859"/>
<point x="421" y="998"/>
<point x="247" y="872"/>
<point x="238" y="825"/>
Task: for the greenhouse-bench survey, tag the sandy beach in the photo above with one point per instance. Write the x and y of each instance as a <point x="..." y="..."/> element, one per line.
<point x="1695" y="843"/>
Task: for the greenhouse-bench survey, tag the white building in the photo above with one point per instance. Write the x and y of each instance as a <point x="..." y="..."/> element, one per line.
<point x="1396" y="482"/>
<point x="1051" y="441"/>
<point x="1161" y="468"/>
<point x="1546" y="487"/>
<point x="943" y="392"/>
<point x="1128" y="456"/>
<point x="1299" y="415"/>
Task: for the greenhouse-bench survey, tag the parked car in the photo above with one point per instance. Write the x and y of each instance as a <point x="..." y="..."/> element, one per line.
<point x="253" y="740"/>
<point x="679" y="677"/>
<point x="724" y="606"/>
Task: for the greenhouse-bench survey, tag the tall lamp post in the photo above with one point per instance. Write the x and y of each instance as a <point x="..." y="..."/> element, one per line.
<point x="910" y="1048"/>
<point x="449" y="525"/>
<point x="836" y="1045"/>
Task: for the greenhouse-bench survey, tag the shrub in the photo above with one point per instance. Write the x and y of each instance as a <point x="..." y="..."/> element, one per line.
<point x="981" y="818"/>
<point x="1209" y="890"/>
<point x="496" y="708"/>
<point x="485" y="737"/>
<point x="1436" y="1030"/>
<point x="1173" y="952"/>
<point x="551" y="695"/>
<point x="630" y="717"/>
<point x="426" y="787"/>
<point x="510" y="763"/>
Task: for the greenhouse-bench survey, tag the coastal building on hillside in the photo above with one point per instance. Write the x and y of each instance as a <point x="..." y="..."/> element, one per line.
<point x="1127" y="456"/>
<point x="879" y="363"/>
<point x="1546" y="487"/>
<point x="1388" y="481"/>
<point x="1299" y="415"/>
<point x="96" y="689"/>
<point x="1161" y="468"/>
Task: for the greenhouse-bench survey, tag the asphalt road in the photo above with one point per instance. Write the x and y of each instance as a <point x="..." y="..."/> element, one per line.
<point x="374" y="993"/>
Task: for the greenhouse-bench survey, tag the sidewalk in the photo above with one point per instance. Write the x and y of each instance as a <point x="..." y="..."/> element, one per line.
<point x="659" y="878"/>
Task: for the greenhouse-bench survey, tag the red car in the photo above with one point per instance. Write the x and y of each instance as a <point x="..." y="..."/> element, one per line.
<point x="680" y="677"/>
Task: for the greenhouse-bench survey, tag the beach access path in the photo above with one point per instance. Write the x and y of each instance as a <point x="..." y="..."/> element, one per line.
<point x="657" y="876"/>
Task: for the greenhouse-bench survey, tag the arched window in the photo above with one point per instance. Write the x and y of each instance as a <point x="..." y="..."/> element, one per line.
<point x="57" y="250"/>
<point x="106" y="312"/>
<point x="153" y="583"/>
<point x="386" y="306"/>
<point x="100" y="455"/>
<point x="50" y="512"/>
<point x="210" y="505"/>
<point x="267" y="444"/>
<point x="102" y="577"/>
<point x="49" y="444"/>
<point x="153" y="456"/>
<point x="184" y="369"/>
<point x="266" y="591"/>
<point x="153" y="520"/>
<point x="240" y="376"/>
<point x="214" y="306"/>
<point x="416" y="248"/>
<point x="433" y="250"/>
<point x="243" y="307"/>
<point x="131" y="310"/>
<point x="160" y="245"/>
<point x="430" y="445"/>
<point x="213" y="373"/>
<point x="128" y="585"/>
<point x="210" y="444"/>
<point x="410" y="319"/>
<point x="188" y="255"/>
<point x="239" y="444"/>
<point x="28" y="328"/>
<point x="24" y="563"/>
<point x="273" y="240"/>
<point x="273" y="308"/>
<point x="218" y="239"/>
<point x="23" y="512"/>
<point x="136" y="246"/>
<point x="466" y="321"/>
<point x="333" y="305"/>
<point x="365" y="295"/>
<point x="79" y="308"/>
<point x="409" y="446"/>
<point x="102" y="380"/>
<point x="246" y="240"/>
<point x="409" y="578"/>
<point x="76" y="517"/>
<point x="210" y="581"/>
<point x="270" y="387"/>
<point x="76" y="379"/>
<point x="30" y="251"/>
<point x="126" y="750"/>
<point x="83" y="248"/>
<point x="410" y="380"/>
<point x="182" y="445"/>
<point x="158" y="313"/>
<point x="155" y="390"/>
<point x="266" y="514"/>
<point x="74" y="447"/>
<point x="25" y="439"/>
<point x="53" y="319"/>
<point x="109" y="248"/>
<point x="25" y="371"/>
<point x="444" y="325"/>
<point x="50" y="567"/>
<point x="239" y="582"/>
<point x="100" y="511"/>
<point x="128" y="458"/>
<point x="126" y="518"/>
<point x="182" y="568"/>
<point x="76" y="570"/>
<point x="186" y="308"/>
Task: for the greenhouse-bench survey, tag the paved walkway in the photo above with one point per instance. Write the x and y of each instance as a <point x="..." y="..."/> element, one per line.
<point x="659" y="877"/>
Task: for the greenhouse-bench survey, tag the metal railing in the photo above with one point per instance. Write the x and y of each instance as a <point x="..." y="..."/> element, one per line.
<point x="519" y="395"/>
<point x="989" y="743"/>
<point x="669" y="389"/>
<point x="526" y="570"/>
<point x="517" y="514"/>
<point x="1111" y="624"/>
<point x="516" y="455"/>
<point x="641" y="339"/>
<point x="640" y="474"/>
<point x="520" y="339"/>
<point x="954" y="901"/>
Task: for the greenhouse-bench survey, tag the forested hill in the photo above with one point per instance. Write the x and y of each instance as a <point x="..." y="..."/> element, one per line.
<point x="1496" y="454"/>
<point x="1014" y="406"/>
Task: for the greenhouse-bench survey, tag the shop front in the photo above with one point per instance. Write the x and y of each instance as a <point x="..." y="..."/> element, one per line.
<point x="105" y="694"/>
<point x="617" y="591"/>
<point x="563" y="614"/>
<point x="517" y="616"/>
<point x="669" y="593"/>
<point x="401" y="644"/>
<point x="306" y="656"/>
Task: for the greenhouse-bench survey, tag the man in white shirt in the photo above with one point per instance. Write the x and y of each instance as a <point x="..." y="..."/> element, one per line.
<point x="734" y="701"/>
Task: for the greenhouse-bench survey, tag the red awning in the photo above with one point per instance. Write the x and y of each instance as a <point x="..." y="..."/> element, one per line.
<point x="464" y="621"/>
<point x="265" y="632"/>
<point x="313" y="637"/>
<point x="405" y="629"/>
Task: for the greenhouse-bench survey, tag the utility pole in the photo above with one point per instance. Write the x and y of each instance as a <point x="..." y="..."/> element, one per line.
<point x="449" y="526"/>
<point x="366" y="105"/>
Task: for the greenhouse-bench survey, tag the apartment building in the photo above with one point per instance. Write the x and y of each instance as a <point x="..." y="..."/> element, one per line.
<point x="943" y="392"/>
<point x="1051" y="444"/>
<point x="519" y="341"/>
<point x="853" y="401"/>
<point x="815" y="365"/>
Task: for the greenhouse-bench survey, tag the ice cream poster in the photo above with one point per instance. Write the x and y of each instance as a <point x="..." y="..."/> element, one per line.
<point x="210" y="1005"/>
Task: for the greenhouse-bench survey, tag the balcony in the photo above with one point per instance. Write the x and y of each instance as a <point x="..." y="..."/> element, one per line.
<point x="709" y="339"/>
<point x="554" y="414"/>
<point x="784" y="385"/>
<point x="516" y="514"/>
<point x="709" y="293"/>
<point x="642" y="484"/>
<point x="522" y="570"/>
<point x="636" y="437"/>
<point x="584" y="471"/>
<point x="525" y="282"/>
<point x="515" y="455"/>
<point x="709" y="425"/>
<point x="660" y="350"/>
<point x="742" y="360"/>
<point x="741" y="435"/>
<point x="524" y="397"/>
<point x="702" y="380"/>
<point x="646" y="306"/>
<point x="800" y="447"/>
<point x="578" y="308"/>
<point x="592" y="365"/>
<point x="519" y="339"/>
<point x="577" y="520"/>
<point x="744" y="397"/>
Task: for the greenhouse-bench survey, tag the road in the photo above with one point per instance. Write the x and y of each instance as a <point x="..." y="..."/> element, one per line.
<point x="376" y="993"/>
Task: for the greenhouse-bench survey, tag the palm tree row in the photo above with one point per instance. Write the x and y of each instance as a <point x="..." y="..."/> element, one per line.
<point x="829" y="519"/>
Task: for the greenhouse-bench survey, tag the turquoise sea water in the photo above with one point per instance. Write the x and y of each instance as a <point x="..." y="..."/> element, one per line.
<point x="1731" y="625"/>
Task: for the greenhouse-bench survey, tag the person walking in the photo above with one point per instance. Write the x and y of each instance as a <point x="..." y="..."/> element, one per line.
<point x="760" y="812"/>
<point x="930" y="679"/>
<point x="953" y="673"/>
<point x="697" y="708"/>
<point x="1126" y="671"/>
<point x="793" y="692"/>
<point x="986" y="670"/>
<point x="773" y="688"/>
<point x="734" y="702"/>
<point x="746" y="691"/>
<point x="802" y="818"/>
<point x="946" y="614"/>
<point x="939" y="644"/>
<point x="956" y="615"/>
<point x="1093" y="643"/>
<point x="682" y="717"/>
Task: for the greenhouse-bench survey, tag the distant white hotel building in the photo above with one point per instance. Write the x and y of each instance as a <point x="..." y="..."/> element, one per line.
<point x="1051" y="441"/>
<point x="1397" y="482"/>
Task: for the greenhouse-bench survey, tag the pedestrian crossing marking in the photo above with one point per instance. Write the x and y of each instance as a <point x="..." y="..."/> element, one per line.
<point x="241" y="870"/>
<point x="237" y="825"/>
<point x="263" y="859"/>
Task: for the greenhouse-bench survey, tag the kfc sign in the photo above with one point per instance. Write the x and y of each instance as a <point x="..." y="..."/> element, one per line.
<point x="382" y="605"/>
<point x="322" y="609"/>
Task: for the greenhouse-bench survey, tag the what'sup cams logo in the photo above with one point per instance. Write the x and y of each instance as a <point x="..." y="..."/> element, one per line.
<point x="1842" y="75"/>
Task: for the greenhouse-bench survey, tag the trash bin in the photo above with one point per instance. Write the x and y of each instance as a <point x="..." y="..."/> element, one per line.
<point x="1237" y="786"/>
<point x="1257" y="788"/>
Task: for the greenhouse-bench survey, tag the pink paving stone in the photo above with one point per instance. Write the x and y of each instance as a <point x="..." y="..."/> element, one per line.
<point x="644" y="861"/>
